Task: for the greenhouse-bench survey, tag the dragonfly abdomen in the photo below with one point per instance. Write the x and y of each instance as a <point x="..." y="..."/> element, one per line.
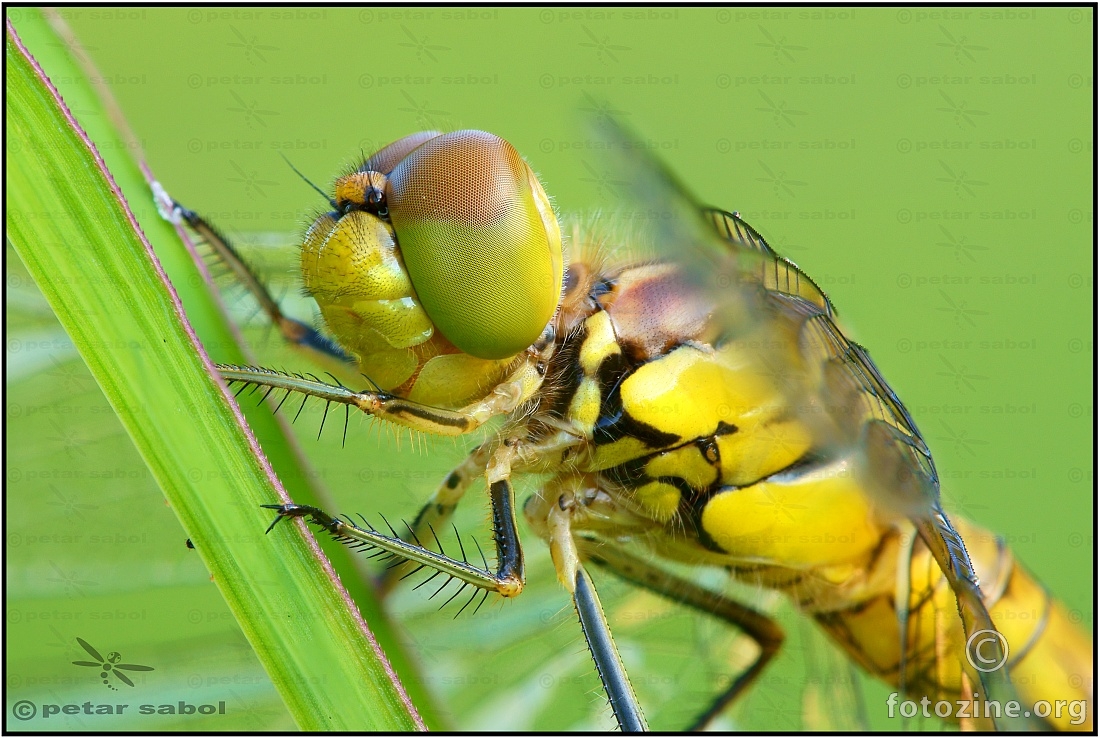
<point x="1049" y="658"/>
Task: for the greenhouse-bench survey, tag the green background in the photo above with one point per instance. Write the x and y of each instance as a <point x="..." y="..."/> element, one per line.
<point x="930" y="168"/>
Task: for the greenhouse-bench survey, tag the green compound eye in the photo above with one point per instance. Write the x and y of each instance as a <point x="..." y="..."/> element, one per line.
<point x="479" y="240"/>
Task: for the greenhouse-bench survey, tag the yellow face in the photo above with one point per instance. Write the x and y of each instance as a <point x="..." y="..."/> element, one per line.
<point x="440" y="264"/>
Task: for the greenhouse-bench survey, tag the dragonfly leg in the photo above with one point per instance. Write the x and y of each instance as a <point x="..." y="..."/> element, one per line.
<point x="504" y="398"/>
<point x="436" y="513"/>
<point x="295" y="332"/>
<point x="438" y="510"/>
<point x="382" y="405"/>
<point x="597" y="633"/>
<point x="764" y="630"/>
<point x="507" y="580"/>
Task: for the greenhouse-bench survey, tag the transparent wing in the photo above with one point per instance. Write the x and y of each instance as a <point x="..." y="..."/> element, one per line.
<point x="785" y="325"/>
<point x="779" y="315"/>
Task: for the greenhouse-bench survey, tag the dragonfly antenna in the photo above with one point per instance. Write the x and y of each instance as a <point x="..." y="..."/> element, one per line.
<point x="306" y="180"/>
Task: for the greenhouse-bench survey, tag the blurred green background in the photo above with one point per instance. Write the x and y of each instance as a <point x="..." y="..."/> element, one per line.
<point x="930" y="168"/>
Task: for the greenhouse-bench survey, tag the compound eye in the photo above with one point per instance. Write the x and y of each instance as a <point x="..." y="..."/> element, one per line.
<point x="389" y="156"/>
<point x="479" y="239"/>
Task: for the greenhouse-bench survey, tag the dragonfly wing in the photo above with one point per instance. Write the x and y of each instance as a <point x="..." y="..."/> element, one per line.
<point x="775" y="272"/>
<point x="867" y="419"/>
<point x="676" y="229"/>
<point x="785" y="324"/>
<point x="865" y="414"/>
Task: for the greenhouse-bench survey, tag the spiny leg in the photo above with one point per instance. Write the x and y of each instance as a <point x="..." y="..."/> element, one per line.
<point x="436" y="513"/>
<point x="508" y="580"/>
<point x="295" y="332"/>
<point x="762" y="629"/>
<point x="505" y="397"/>
<point x="373" y="402"/>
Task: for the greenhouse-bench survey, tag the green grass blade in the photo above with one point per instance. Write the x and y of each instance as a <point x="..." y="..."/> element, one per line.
<point x="91" y="103"/>
<point x="72" y="229"/>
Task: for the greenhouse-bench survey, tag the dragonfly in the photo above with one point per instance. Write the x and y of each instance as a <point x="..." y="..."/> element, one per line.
<point x="686" y="398"/>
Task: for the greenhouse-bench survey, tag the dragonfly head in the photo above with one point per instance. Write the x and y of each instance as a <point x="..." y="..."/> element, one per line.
<point x="441" y="246"/>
